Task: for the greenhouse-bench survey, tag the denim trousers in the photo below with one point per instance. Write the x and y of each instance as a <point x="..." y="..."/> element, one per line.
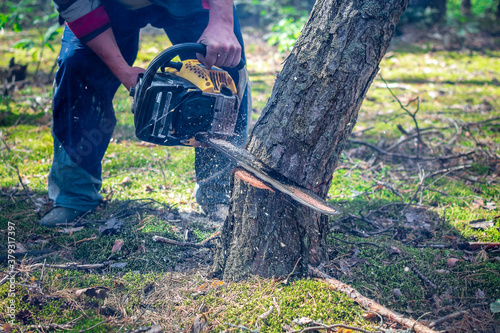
<point x="83" y="117"/>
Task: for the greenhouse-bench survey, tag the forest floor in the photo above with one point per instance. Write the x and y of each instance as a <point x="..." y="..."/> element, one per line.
<point x="420" y="178"/>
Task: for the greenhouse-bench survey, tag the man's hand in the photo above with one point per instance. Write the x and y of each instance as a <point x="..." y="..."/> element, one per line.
<point x="104" y="45"/>
<point x="129" y="76"/>
<point x="223" y="48"/>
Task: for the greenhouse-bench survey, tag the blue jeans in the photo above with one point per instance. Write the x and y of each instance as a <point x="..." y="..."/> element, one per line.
<point x="83" y="115"/>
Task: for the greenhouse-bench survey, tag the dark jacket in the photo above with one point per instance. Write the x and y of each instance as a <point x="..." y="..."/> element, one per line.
<point x="88" y="18"/>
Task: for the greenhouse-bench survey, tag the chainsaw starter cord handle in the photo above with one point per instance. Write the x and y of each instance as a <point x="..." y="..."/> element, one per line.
<point x="164" y="57"/>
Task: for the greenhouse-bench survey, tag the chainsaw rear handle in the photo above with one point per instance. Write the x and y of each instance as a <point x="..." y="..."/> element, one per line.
<point x="167" y="55"/>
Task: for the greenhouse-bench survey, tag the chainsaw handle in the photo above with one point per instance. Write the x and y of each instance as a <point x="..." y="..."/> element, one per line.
<point x="167" y="55"/>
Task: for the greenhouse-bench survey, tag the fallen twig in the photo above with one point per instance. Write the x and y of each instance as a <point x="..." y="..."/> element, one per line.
<point x="413" y="115"/>
<point x="478" y="245"/>
<point x="330" y="327"/>
<point x="7" y="277"/>
<point x="4" y="257"/>
<point x="447" y="317"/>
<point x="355" y="243"/>
<point x="26" y="189"/>
<point x="84" y="240"/>
<point x="370" y="304"/>
<point x="160" y="239"/>
<point x="410" y="157"/>
<point x="266" y="314"/>
<point x="243" y="328"/>
<point x="424" y="278"/>
<point x="53" y="327"/>
<point x="91" y="328"/>
<point x="68" y="266"/>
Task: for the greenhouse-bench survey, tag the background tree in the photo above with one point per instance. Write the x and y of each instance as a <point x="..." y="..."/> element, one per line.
<point x="466" y="8"/>
<point x="440" y="7"/>
<point x="301" y="133"/>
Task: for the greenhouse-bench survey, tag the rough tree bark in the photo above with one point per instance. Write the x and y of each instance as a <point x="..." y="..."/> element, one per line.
<point x="301" y="133"/>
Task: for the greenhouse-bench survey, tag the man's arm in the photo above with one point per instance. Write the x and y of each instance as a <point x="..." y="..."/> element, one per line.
<point x="105" y="46"/>
<point x="223" y="48"/>
<point x="90" y="23"/>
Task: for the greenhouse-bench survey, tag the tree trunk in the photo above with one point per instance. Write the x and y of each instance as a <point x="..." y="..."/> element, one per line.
<point x="301" y="133"/>
<point x="440" y="6"/>
<point x="498" y="11"/>
<point x="466" y="8"/>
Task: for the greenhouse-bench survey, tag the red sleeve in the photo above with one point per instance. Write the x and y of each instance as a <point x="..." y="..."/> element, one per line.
<point x="91" y="24"/>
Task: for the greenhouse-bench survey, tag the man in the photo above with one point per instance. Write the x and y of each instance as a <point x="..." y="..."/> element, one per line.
<point x="99" y="46"/>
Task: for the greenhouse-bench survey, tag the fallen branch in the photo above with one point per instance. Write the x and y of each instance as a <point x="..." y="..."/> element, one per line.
<point x="266" y="314"/>
<point x="330" y="327"/>
<point x="370" y="304"/>
<point x="424" y="278"/>
<point x="68" y="266"/>
<point x="160" y="239"/>
<point x="91" y="328"/>
<point x="4" y="257"/>
<point x="447" y="317"/>
<point x="410" y="157"/>
<point x="355" y="243"/>
<point x="26" y="190"/>
<point x="243" y="328"/>
<point x="7" y="277"/>
<point x="478" y="245"/>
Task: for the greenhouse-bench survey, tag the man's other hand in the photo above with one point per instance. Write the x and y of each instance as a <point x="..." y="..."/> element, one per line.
<point x="223" y="49"/>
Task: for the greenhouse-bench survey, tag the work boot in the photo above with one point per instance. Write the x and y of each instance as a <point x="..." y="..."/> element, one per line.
<point x="60" y="215"/>
<point x="216" y="213"/>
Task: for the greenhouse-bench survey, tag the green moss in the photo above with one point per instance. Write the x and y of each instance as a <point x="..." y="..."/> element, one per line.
<point x="302" y="298"/>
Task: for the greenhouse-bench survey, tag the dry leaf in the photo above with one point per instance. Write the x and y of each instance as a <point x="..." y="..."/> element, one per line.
<point x="20" y="248"/>
<point x="345" y="330"/>
<point x="155" y="329"/>
<point x="490" y="206"/>
<point x="478" y="203"/>
<point x="395" y="250"/>
<point x="117" y="246"/>
<point x="370" y="316"/>
<point x="126" y="181"/>
<point x="199" y="324"/>
<point x="481" y="224"/>
<point x="451" y="262"/>
<point x="7" y="327"/>
<point x="70" y="230"/>
<point x="396" y="292"/>
<point x="480" y="294"/>
<point x="217" y="283"/>
<point x="97" y="292"/>
<point x="303" y="321"/>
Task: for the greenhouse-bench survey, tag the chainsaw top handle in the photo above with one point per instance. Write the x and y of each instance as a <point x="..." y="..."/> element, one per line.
<point x="163" y="59"/>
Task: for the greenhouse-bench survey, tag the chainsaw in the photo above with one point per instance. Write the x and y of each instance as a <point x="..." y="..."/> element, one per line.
<point x="183" y="103"/>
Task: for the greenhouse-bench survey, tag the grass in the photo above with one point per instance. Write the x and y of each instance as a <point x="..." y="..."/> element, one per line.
<point x="148" y="185"/>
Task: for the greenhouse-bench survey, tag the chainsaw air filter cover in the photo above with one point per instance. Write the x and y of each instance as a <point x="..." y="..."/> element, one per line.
<point x="172" y="106"/>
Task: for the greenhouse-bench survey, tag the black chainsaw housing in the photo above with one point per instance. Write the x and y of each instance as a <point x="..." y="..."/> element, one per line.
<point x="170" y="110"/>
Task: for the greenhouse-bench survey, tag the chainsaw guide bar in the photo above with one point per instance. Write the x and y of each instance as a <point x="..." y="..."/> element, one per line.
<point x="250" y="163"/>
<point x="186" y="104"/>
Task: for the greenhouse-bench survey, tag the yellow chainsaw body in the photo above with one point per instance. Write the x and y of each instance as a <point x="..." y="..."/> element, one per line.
<point x="207" y="80"/>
